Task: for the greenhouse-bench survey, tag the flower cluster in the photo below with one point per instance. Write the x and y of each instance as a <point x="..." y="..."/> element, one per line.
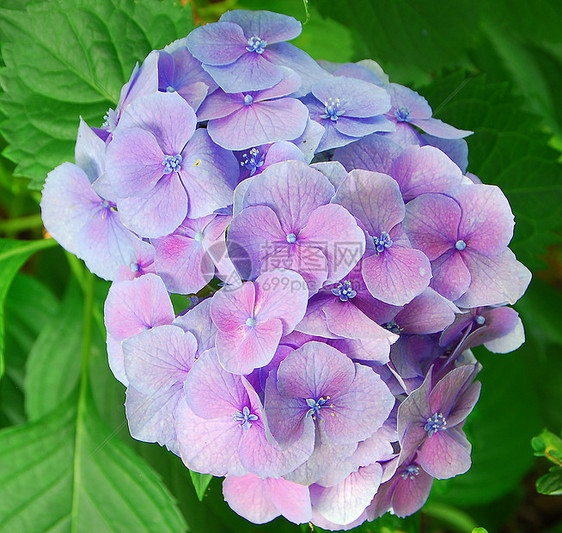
<point x="343" y="264"/>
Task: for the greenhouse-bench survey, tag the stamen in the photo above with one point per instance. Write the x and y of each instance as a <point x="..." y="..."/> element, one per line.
<point x="460" y="245"/>
<point x="344" y="291"/>
<point x="480" y="320"/>
<point x="436" y="422"/>
<point x="410" y="472"/>
<point x="402" y="114"/>
<point x="315" y="406"/>
<point x="382" y="243"/>
<point x="172" y="163"/>
<point x="333" y="109"/>
<point x="245" y="418"/>
<point x="291" y="238"/>
<point x="250" y="322"/>
<point x="256" y="44"/>
<point x="253" y="162"/>
<point x="248" y="99"/>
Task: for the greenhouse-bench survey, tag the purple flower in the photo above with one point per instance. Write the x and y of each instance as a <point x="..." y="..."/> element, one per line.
<point x="404" y="494"/>
<point x="286" y="221"/>
<point x="261" y="500"/>
<point x="83" y="222"/>
<point x="430" y="421"/>
<point x="156" y="364"/>
<point x="163" y="170"/>
<point x="184" y="259"/>
<point x="348" y="109"/>
<point x="499" y="328"/>
<point x="252" y="318"/>
<point x="393" y="271"/>
<point x="245" y="50"/>
<point x="410" y="109"/>
<point x="465" y="236"/>
<point x="179" y="71"/>
<point x="130" y="308"/>
<point x="317" y="385"/>
<point x="258" y="158"/>
<point x="241" y="120"/>
<point x="222" y="430"/>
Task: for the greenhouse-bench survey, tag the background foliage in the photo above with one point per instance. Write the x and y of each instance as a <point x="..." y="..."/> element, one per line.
<point x="66" y="460"/>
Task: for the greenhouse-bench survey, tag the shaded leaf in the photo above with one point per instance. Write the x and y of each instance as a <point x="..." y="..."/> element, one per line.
<point x="61" y="472"/>
<point x="551" y="483"/>
<point x="200" y="483"/>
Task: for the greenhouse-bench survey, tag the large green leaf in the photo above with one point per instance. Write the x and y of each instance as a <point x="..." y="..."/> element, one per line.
<point x="508" y="149"/>
<point x="62" y="473"/>
<point x="52" y="77"/>
<point x="13" y="254"/>
<point x="29" y="305"/>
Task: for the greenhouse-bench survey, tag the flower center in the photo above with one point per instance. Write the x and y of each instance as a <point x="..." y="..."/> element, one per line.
<point x="402" y="113"/>
<point x="172" y="163"/>
<point x="436" y="422"/>
<point x="254" y="161"/>
<point x="198" y="236"/>
<point x="170" y="89"/>
<point x="382" y="243"/>
<point x="344" y="291"/>
<point x="480" y="320"/>
<point x="291" y="238"/>
<point x="315" y="406"/>
<point x="393" y="327"/>
<point x="410" y="472"/>
<point x="245" y="418"/>
<point x="460" y="245"/>
<point x="250" y="322"/>
<point x="333" y="109"/>
<point x="256" y="44"/>
<point x="248" y="99"/>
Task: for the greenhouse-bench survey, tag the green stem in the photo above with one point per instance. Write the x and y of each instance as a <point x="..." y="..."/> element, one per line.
<point x="89" y="288"/>
<point x="13" y="225"/>
<point x="82" y="275"/>
<point x="455" y="518"/>
<point x="33" y="246"/>
<point x="307" y="12"/>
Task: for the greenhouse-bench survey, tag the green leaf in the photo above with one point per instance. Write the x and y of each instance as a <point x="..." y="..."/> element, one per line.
<point x="62" y="473"/>
<point x="29" y="305"/>
<point x="53" y="367"/>
<point x="548" y="445"/>
<point x="551" y="483"/>
<point x="200" y="483"/>
<point x="410" y="38"/>
<point x="508" y="149"/>
<point x="53" y="77"/>
<point x="13" y="254"/>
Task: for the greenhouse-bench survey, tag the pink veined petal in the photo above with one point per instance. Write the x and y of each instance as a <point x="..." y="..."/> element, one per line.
<point x="410" y="494"/>
<point x="373" y="198"/>
<point x="209" y="446"/>
<point x="292" y="189"/>
<point x="431" y="223"/>
<point x="250" y="497"/>
<point x="495" y="280"/>
<point x="332" y="229"/>
<point x="135" y="305"/>
<point x="220" y="104"/>
<point x="451" y="277"/>
<point x="281" y="294"/>
<point x="242" y="350"/>
<point x="212" y="392"/>
<point x="220" y="43"/>
<point x="344" y="502"/>
<point x="444" y="395"/>
<point x="209" y="175"/>
<point x="182" y="264"/>
<point x="445" y="454"/>
<point x="397" y="275"/>
<point x="271" y="27"/>
<point x="231" y="308"/>
<point x="292" y="499"/>
<point x="346" y="320"/>
<point x="424" y="169"/>
<point x="167" y="116"/>
<point x="260" y="123"/>
<point x="134" y="162"/>
<point x="157" y="212"/>
<point x="289" y="84"/>
<point x="487" y="221"/>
